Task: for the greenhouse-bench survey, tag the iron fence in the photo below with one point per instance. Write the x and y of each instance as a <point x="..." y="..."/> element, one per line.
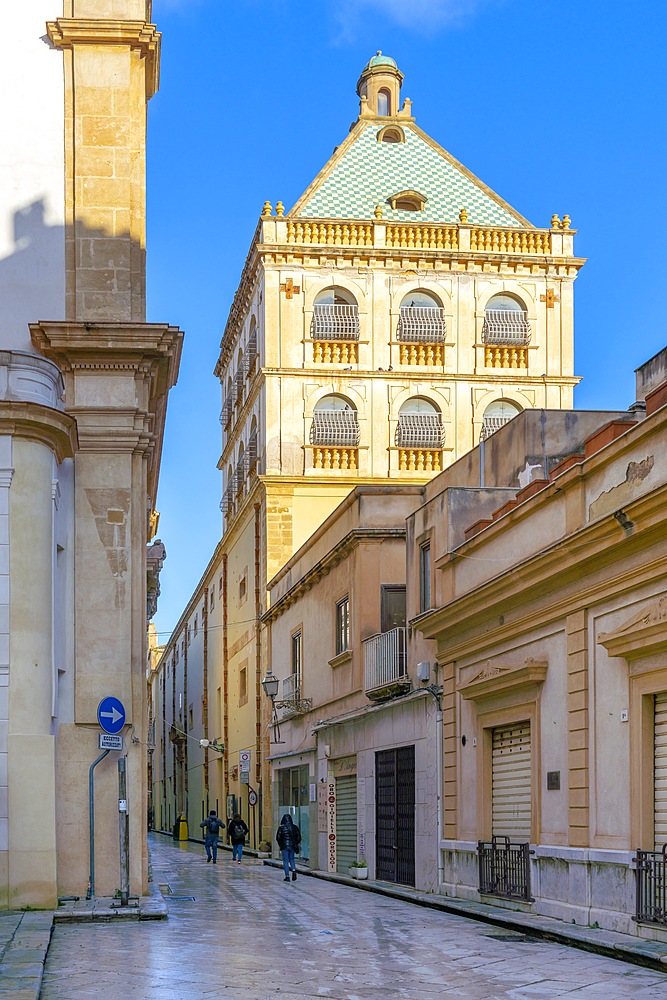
<point x="651" y="882"/>
<point x="504" y="868"/>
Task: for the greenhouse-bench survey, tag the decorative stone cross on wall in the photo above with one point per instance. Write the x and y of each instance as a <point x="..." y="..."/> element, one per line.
<point x="549" y="298"/>
<point x="290" y="289"/>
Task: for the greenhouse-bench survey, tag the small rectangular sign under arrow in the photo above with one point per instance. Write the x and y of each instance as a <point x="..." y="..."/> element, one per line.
<point x="108" y="742"/>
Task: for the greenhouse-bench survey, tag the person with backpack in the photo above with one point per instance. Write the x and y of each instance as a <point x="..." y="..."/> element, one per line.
<point x="212" y="827"/>
<point x="237" y="831"/>
<point x="289" y="841"/>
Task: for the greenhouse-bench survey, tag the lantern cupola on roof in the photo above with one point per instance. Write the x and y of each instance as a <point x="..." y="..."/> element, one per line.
<point x="379" y="89"/>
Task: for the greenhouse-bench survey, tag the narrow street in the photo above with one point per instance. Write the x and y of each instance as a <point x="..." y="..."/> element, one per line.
<point x="248" y="935"/>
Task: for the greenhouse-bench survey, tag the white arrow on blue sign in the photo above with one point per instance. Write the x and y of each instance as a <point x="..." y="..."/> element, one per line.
<point x="111" y="715"/>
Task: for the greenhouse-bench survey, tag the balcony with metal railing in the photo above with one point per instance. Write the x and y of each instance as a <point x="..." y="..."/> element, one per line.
<point x="292" y="703"/>
<point x="385" y="664"/>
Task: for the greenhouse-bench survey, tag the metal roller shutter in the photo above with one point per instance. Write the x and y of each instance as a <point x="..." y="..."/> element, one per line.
<point x="511" y="784"/>
<point x="660" y="770"/>
<point x="346" y="822"/>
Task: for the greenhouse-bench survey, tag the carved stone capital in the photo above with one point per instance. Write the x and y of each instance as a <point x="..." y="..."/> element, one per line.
<point x="67" y="32"/>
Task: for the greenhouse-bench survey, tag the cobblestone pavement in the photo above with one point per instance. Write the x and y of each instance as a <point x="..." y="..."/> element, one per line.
<point x="248" y="935"/>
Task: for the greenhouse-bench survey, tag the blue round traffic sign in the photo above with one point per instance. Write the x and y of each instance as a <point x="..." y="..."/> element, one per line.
<point x="111" y="715"/>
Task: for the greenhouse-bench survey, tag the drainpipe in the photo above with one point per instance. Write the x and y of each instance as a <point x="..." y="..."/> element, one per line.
<point x="258" y="665"/>
<point x="204" y="707"/>
<point x="91" y="813"/>
<point x="225" y="685"/>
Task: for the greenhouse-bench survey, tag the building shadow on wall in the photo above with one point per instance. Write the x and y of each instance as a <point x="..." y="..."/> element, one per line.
<point x="32" y="276"/>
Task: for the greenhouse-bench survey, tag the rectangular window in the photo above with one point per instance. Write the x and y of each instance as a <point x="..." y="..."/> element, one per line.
<point x="220" y="586"/>
<point x="342" y="625"/>
<point x="424" y="577"/>
<point x="196" y="624"/>
<point x="212" y="598"/>
<point x="243" y="686"/>
<point x="296" y="659"/>
<point x="243" y="586"/>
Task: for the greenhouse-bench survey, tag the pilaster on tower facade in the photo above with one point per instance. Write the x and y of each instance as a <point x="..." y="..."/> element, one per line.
<point x="396" y="314"/>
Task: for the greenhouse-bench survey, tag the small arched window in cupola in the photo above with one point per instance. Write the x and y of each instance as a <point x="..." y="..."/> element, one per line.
<point x="408" y="201"/>
<point x="391" y="133"/>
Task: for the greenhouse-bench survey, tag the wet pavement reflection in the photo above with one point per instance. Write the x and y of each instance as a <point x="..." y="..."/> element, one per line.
<point x="240" y="932"/>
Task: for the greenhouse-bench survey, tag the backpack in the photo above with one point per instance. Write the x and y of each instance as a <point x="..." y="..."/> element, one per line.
<point x="212" y="826"/>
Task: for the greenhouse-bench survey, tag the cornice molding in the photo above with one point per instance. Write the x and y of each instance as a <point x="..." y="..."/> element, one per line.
<point x="642" y="635"/>
<point x="323" y="566"/>
<point x="42" y="424"/>
<point x="66" y="32"/>
<point x="566" y="561"/>
<point x="494" y="681"/>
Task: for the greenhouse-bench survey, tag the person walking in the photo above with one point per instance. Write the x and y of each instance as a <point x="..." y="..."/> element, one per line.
<point x="212" y="827"/>
<point x="237" y="831"/>
<point x="289" y="841"/>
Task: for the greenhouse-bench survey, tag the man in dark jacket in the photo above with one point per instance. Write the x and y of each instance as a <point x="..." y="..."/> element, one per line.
<point x="212" y="827"/>
<point x="289" y="841"/>
<point x="237" y="832"/>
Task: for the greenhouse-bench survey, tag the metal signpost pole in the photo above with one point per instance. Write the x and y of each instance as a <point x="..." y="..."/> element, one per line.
<point x="91" y="813"/>
<point x="123" y="830"/>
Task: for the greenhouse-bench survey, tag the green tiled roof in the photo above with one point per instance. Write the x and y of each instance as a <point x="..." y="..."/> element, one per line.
<point x="365" y="173"/>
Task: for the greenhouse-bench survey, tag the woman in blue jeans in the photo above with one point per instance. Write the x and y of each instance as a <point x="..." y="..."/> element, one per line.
<point x="289" y="840"/>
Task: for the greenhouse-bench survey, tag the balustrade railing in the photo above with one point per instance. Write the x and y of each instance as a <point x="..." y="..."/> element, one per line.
<point x="385" y="659"/>
<point x="402" y="235"/>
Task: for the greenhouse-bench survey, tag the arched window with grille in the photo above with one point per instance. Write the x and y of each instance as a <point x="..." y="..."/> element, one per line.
<point x="335" y="423"/>
<point x="419" y="425"/>
<point x="496" y="415"/>
<point x="505" y="321"/>
<point x="335" y="315"/>
<point x="419" y="436"/>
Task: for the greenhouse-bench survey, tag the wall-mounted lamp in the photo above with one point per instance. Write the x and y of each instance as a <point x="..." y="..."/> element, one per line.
<point x="271" y="685"/>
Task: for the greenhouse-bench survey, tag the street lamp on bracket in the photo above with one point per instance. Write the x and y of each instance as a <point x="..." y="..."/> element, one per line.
<point x="271" y="685"/>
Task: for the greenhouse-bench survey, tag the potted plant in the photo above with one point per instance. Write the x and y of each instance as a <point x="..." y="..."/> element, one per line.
<point x="359" y="869"/>
<point x="264" y="849"/>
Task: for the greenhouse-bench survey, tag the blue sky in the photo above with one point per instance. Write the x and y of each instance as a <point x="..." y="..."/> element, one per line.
<point x="558" y="105"/>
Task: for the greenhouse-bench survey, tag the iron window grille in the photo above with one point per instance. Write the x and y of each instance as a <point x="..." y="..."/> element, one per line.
<point x="506" y="326"/>
<point x="227" y="502"/>
<point x="238" y="384"/>
<point x="227" y="411"/>
<point x="421" y="325"/>
<point x="335" y="428"/>
<point x="504" y="868"/>
<point x="651" y="887"/>
<point x="251" y="453"/>
<point x="492" y="424"/>
<point x="335" y="322"/>
<point x="250" y="357"/>
<point x="419" y="430"/>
